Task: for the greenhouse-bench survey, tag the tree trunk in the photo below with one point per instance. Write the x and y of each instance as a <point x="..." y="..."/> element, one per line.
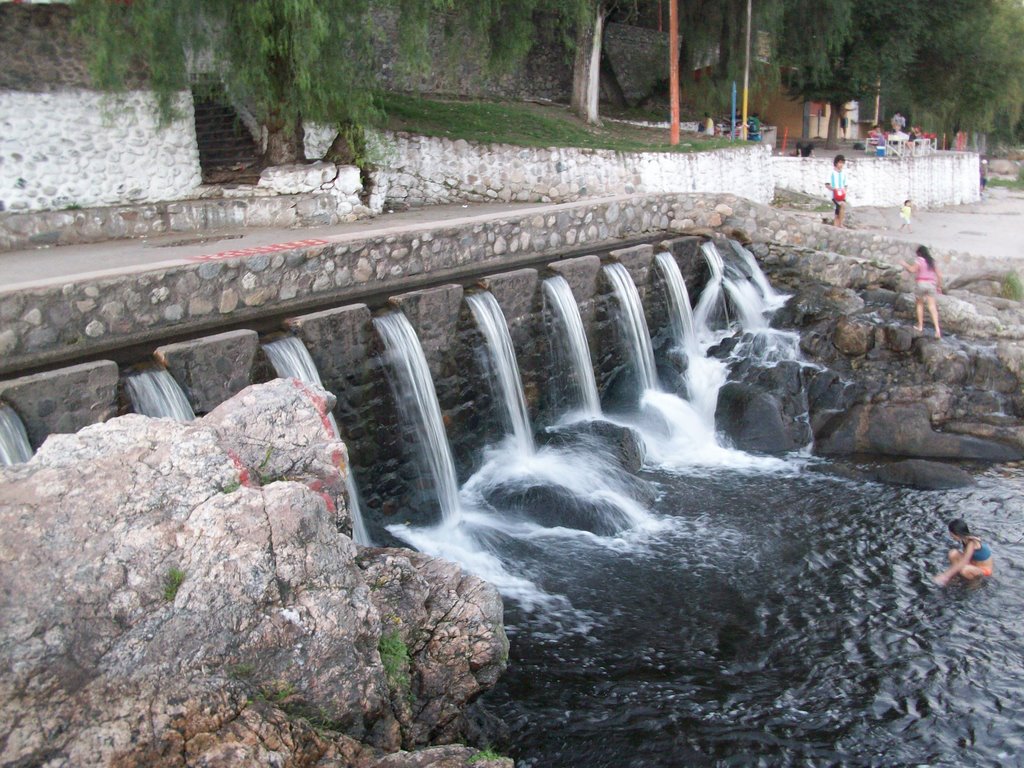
<point x="284" y="141"/>
<point x="586" y="70"/>
<point x="832" y="142"/>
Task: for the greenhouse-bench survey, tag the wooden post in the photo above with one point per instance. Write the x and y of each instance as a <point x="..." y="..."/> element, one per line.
<point x="673" y="64"/>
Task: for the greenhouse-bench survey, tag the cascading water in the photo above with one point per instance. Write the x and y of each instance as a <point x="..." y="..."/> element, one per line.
<point x="681" y="318"/>
<point x="711" y="303"/>
<point x="417" y="401"/>
<point x="154" y="392"/>
<point x="558" y="296"/>
<point x="635" y="325"/>
<point x="772" y="298"/>
<point x="491" y="322"/>
<point x="14" y="445"/>
<point x="291" y="359"/>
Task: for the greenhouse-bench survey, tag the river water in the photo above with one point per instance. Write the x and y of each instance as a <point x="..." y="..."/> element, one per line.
<point x="776" y="617"/>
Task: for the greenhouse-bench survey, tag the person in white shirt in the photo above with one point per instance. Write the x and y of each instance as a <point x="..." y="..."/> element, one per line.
<point x="836" y="184"/>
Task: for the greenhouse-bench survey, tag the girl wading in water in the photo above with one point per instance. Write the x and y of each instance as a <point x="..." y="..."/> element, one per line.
<point x="972" y="562"/>
<point x="927" y="282"/>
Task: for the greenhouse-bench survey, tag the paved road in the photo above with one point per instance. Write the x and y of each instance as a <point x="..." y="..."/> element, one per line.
<point x="991" y="228"/>
<point x="994" y="227"/>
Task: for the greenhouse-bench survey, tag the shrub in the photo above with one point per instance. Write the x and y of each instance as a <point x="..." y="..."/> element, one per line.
<point x="172" y="581"/>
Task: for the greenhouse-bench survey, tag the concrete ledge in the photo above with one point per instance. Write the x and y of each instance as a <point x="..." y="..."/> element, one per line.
<point x="63" y="401"/>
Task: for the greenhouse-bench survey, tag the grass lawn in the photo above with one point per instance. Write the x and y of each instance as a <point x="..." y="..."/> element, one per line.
<point x="531" y="125"/>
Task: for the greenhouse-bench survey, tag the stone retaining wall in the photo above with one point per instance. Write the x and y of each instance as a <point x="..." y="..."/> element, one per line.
<point x="48" y="324"/>
<point x="273" y="205"/>
<point x="431" y="171"/>
<point x="941" y="178"/>
<point x="77" y="148"/>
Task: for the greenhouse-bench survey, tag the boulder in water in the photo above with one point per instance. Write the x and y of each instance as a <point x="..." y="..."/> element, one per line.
<point x="924" y="475"/>
<point x="903" y="430"/>
<point x="752" y="419"/>
<point x="624" y="443"/>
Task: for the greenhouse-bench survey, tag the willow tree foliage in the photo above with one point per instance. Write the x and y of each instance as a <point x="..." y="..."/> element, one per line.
<point x="294" y="60"/>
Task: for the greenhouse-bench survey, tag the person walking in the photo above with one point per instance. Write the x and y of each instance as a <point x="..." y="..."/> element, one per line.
<point x="927" y="282"/>
<point x="836" y="184"/>
<point x="905" y="213"/>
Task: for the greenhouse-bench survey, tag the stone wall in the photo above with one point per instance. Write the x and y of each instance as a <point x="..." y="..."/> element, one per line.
<point x="76" y="148"/>
<point x="430" y="171"/>
<point x="941" y="178"/>
<point x="457" y="67"/>
<point x="45" y="325"/>
<point x="638" y="57"/>
<point x="294" y="198"/>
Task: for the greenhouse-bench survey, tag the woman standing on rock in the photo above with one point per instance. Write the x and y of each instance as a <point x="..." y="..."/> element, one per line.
<point x="927" y="282"/>
<point x="971" y="562"/>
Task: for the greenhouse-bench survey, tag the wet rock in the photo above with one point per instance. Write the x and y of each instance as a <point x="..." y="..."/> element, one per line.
<point x="752" y="419"/>
<point x="903" y="430"/>
<point x="624" y="443"/>
<point x="853" y="338"/>
<point x="923" y="475"/>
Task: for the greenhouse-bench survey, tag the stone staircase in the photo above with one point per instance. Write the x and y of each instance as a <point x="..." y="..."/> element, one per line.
<point x="227" y="152"/>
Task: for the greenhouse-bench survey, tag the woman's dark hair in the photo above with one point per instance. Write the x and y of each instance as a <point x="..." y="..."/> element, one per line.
<point x="925" y="254"/>
<point x="958" y="527"/>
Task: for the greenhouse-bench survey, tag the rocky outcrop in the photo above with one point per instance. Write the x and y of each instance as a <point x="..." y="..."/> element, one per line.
<point x="889" y="389"/>
<point x="187" y="594"/>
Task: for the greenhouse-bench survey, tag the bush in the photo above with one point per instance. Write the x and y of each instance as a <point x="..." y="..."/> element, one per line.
<point x="1012" y="287"/>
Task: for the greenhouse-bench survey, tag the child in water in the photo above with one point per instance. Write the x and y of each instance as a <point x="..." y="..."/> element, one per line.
<point x="905" y="212"/>
<point x="972" y="562"/>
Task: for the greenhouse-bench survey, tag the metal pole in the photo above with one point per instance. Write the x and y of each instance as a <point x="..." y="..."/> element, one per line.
<point x="746" y="71"/>
<point x="732" y="115"/>
<point x="673" y="64"/>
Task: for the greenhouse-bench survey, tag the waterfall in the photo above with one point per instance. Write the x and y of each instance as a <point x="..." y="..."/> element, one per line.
<point x="291" y="359"/>
<point x="14" y="445"/>
<point x="749" y="304"/>
<point x="417" y="401"/>
<point x="680" y="310"/>
<point x="711" y="299"/>
<point x="635" y="325"/>
<point x="491" y="322"/>
<point x="772" y="298"/>
<point x="154" y="392"/>
<point x="559" y="296"/>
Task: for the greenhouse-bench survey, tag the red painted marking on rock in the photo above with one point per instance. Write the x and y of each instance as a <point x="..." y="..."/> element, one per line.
<point x="243" y="471"/>
<point x="275" y="248"/>
<point x="319" y="403"/>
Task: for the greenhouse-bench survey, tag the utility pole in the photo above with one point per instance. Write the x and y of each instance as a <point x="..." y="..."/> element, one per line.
<point x="746" y="71"/>
<point x="673" y="64"/>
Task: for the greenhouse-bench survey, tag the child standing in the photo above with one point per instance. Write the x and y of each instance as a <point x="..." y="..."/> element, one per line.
<point x="905" y="212"/>
<point x="837" y="185"/>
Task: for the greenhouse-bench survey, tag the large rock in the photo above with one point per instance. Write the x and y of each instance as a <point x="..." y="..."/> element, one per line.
<point x="903" y="430"/>
<point x="752" y="419"/>
<point x="923" y="475"/>
<point x="181" y="594"/>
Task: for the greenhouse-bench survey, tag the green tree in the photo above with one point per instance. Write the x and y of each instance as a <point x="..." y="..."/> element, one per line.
<point x="969" y="71"/>
<point x="293" y="60"/>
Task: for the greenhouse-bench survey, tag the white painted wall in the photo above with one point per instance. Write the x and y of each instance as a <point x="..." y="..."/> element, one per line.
<point x="941" y="178"/>
<point x="78" y="147"/>
<point x="428" y="171"/>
